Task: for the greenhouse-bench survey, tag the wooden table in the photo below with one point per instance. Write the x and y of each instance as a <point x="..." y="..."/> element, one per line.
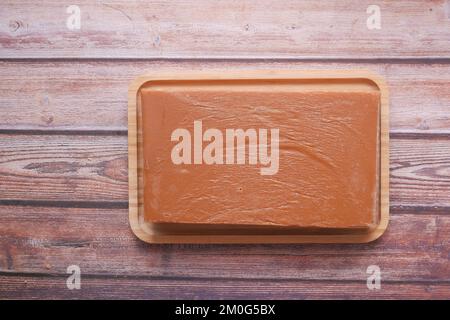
<point x="63" y="145"/>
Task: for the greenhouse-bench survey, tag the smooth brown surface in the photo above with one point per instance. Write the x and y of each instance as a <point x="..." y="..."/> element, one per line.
<point x="327" y="176"/>
<point x="63" y="154"/>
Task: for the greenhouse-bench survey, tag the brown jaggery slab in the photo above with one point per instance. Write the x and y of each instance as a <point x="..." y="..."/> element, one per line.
<point x="328" y="156"/>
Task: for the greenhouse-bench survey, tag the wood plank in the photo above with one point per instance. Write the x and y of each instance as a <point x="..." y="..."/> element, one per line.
<point x="74" y="95"/>
<point x="63" y="168"/>
<point x="238" y="28"/>
<point x="100" y="241"/>
<point x="420" y="172"/>
<point x="34" y="287"/>
<point x="94" y="168"/>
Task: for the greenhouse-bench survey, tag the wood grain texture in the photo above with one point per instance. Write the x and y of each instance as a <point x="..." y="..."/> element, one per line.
<point x="421" y="173"/>
<point x="48" y="287"/>
<point x="63" y="168"/>
<point x="46" y="240"/>
<point x="63" y="148"/>
<point x="242" y="28"/>
<point x="92" y="96"/>
<point x="94" y="168"/>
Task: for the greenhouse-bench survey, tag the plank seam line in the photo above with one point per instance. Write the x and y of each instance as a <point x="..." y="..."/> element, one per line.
<point x="411" y="135"/>
<point x="420" y="209"/>
<point x="406" y="135"/>
<point x="395" y="209"/>
<point x="65" y="204"/>
<point x="222" y="279"/>
<point x="65" y="132"/>
<point x="331" y="59"/>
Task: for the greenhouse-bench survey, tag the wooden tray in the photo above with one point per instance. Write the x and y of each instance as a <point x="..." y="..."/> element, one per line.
<point x="153" y="233"/>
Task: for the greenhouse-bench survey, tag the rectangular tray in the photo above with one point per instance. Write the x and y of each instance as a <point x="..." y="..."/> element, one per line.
<point x="154" y="233"/>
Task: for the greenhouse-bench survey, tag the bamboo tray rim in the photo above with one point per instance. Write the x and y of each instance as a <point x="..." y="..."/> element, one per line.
<point x="144" y="230"/>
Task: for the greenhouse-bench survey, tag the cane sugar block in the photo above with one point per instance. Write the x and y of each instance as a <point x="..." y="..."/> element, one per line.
<point x="261" y="153"/>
